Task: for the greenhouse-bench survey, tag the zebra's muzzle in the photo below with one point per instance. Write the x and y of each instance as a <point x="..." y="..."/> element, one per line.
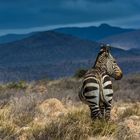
<point x="119" y="75"/>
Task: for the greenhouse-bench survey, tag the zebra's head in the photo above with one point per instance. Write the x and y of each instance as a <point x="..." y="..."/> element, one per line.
<point x="108" y="63"/>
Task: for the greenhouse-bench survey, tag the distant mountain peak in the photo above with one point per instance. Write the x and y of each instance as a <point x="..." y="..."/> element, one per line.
<point x="104" y="25"/>
<point x="92" y="32"/>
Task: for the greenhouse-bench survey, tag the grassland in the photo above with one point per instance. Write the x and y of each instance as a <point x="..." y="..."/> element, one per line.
<point x="51" y="110"/>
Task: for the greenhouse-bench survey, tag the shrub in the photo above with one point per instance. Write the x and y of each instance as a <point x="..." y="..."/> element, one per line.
<point x="80" y="73"/>
<point x="17" y="85"/>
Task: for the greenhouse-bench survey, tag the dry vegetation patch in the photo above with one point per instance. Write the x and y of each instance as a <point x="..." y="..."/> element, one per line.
<point x="75" y="124"/>
<point x="51" y="110"/>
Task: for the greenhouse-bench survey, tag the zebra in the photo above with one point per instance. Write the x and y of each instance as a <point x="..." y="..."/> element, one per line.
<point x="97" y="91"/>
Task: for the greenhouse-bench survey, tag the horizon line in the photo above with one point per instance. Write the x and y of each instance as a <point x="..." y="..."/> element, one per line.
<point x="53" y="27"/>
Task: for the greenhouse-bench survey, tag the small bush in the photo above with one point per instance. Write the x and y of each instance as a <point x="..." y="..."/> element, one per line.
<point x="17" y="85"/>
<point x="80" y="73"/>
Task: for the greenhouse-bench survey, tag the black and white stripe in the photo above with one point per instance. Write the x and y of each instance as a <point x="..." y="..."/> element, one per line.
<point x="97" y="91"/>
<point x="98" y="95"/>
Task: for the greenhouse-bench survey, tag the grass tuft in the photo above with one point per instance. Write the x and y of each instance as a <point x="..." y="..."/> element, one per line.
<point x="76" y="125"/>
<point x="134" y="110"/>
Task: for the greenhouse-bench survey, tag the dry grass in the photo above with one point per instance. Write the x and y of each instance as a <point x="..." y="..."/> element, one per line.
<point x="71" y="122"/>
<point x="76" y="124"/>
<point x="132" y="110"/>
<point x="7" y="127"/>
<point x="51" y="110"/>
<point x="127" y="89"/>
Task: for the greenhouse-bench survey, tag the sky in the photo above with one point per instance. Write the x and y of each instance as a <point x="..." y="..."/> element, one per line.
<point x="23" y="16"/>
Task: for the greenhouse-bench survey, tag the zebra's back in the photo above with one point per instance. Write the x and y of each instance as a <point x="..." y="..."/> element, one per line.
<point x="96" y="89"/>
<point x="89" y="93"/>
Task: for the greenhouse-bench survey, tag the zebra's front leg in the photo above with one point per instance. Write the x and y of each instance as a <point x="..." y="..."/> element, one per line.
<point x="95" y="112"/>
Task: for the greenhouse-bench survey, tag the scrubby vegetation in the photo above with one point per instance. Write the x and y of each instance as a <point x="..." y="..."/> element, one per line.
<point x="51" y="110"/>
<point x="80" y="73"/>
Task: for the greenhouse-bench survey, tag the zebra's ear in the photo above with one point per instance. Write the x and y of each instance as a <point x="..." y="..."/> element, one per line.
<point x="104" y="49"/>
<point x="108" y="47"/>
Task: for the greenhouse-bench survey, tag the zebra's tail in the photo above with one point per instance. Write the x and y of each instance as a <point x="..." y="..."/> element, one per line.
<point x="104" y="99"/>
<point x="81" y="96"/>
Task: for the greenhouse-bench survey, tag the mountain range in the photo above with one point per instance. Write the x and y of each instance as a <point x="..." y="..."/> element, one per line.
<point x="51" y="54"/>
<point x="116" y="36"/>
<point x="93" y="33"/>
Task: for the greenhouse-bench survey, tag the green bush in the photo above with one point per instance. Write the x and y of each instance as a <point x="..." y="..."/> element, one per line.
<point x="80" y="73"/>
<point x="17" y="85"/>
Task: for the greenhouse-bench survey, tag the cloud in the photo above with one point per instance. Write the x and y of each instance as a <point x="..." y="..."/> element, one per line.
<point x="100" y="1"/>
<point x="21" y="14"/>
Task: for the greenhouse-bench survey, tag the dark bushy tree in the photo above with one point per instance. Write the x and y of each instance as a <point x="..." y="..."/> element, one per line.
<point x="80" y="73"/>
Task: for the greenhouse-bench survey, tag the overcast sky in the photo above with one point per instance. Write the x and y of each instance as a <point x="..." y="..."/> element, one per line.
<point x="22" y="16"/>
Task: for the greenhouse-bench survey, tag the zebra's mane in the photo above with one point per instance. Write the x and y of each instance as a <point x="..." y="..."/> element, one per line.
<point x="102" y="50"/>
<point x="98" y="56"/>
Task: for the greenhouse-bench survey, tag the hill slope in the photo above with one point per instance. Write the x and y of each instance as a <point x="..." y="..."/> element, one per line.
<point x="13" y="37"/>
<point x="124" y="40"/>
<point x="41" y="55"/>
<point x="53" y="55"/>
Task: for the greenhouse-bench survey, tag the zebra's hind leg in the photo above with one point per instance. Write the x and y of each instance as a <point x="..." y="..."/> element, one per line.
<point x="95" y="112"/>
<point x="108" y="110"/>
<point x="102" y="109"/>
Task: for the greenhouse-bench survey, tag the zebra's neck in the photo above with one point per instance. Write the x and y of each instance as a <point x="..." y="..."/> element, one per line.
<point x="100" y="64"/>
<point x="100" y="70"/>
